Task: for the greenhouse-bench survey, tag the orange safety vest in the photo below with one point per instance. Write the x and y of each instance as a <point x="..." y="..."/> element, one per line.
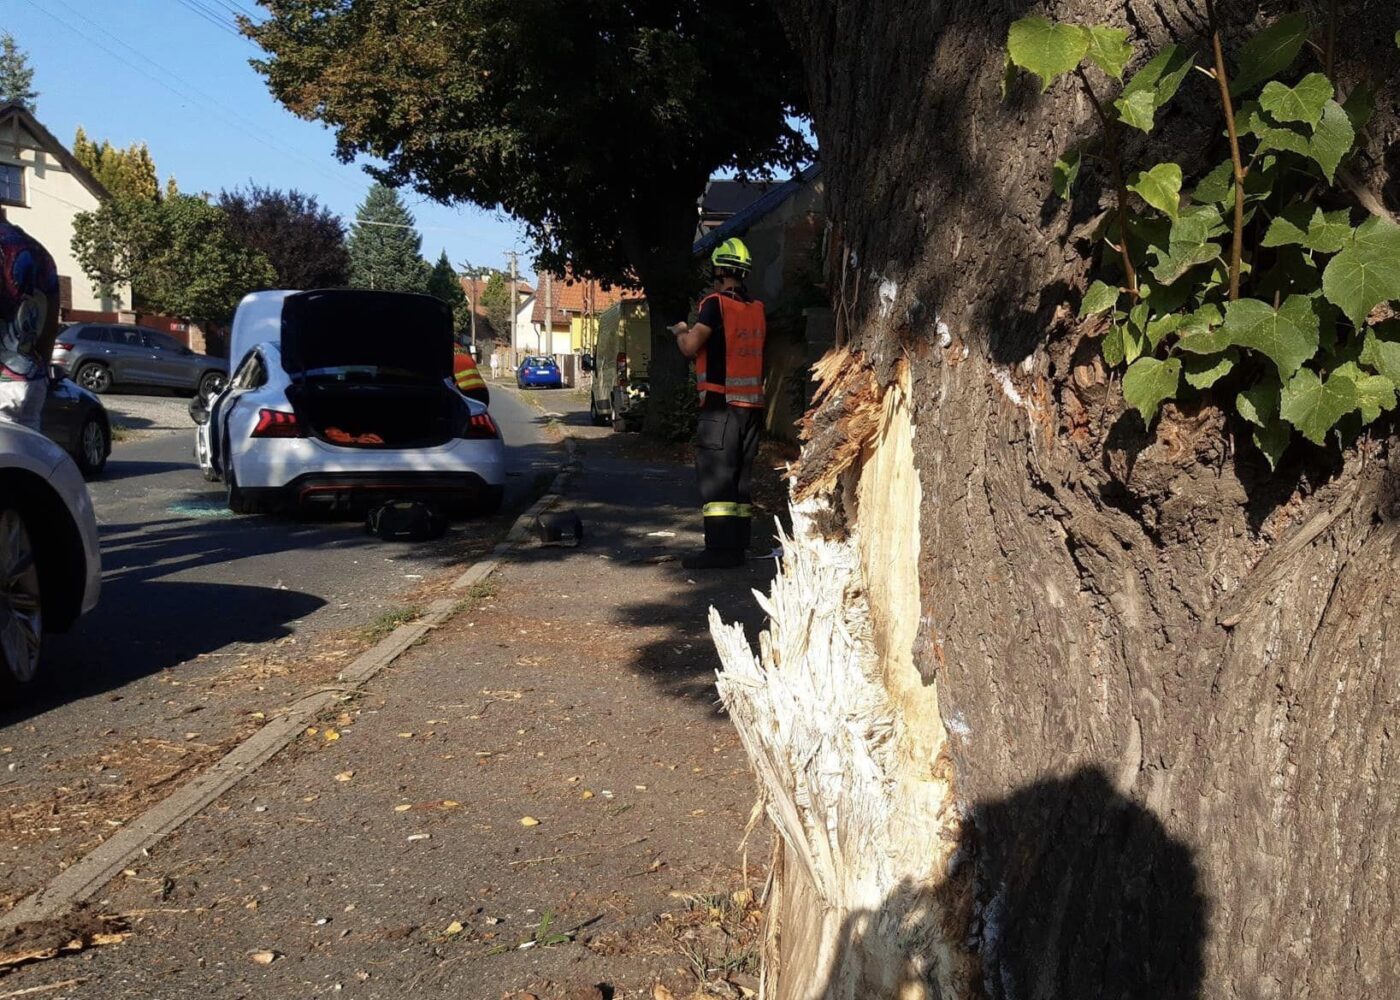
<point x="465" y="372"/>
<point x="745" y="329"/>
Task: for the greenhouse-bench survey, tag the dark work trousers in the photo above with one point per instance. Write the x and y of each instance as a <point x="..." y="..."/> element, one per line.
<point x="726" y="443"/>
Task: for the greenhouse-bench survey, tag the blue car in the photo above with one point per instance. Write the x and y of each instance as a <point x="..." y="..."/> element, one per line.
<point x="539" y="373"/>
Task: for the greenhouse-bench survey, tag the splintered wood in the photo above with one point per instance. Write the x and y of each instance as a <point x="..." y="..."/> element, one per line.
<point x="844" y="737"/>
<point x="845" y="415"/>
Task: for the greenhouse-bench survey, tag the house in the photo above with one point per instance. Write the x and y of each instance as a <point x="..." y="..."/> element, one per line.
<point x="564" y="315"/>
<point x="725" y="198"/>
<point x="474" y="287"/>
<point x="43" y="187"/>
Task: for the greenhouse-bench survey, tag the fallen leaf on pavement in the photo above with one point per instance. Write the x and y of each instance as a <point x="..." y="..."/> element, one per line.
<point x="344" y="775"/>
<point x="331" y="735"/>
<point x="421" y="836"/>
<point x="403" y="808"/>
<point x="529" y="821"/>
<point x="405" y="736"/>
<point x="454" y="928"/>
<point x="586" y="794"/>
<point x="659" y="992"/>
<point x="264" y="957"/>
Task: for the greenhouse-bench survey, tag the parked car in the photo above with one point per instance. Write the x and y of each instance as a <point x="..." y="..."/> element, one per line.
<point x="342" y="397"/>
<point x="77" y="422"/>
<point x="50" y="565"/>
<point x="619" y="390"/>
<point x="105" y="356"/>
<point x="539" y="372"/>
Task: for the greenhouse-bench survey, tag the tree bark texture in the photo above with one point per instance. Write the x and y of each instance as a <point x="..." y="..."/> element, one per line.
<point x="1122" y="701"/>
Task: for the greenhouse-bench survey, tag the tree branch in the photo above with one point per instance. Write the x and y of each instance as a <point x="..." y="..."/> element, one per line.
<point x="1115" y="161"/>
<point x="1222" y="78"/>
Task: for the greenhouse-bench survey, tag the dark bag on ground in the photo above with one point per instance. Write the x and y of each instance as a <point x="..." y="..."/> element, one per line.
<point x="406" y="521"/>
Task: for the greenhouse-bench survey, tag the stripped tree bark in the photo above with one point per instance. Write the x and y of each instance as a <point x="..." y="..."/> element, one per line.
<point x="1051" y="707"/>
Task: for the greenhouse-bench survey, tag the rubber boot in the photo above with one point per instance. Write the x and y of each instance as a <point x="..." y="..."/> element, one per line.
<point x="722" y="549"/>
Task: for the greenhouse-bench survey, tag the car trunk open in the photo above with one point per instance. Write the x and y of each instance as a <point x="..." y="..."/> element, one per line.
<point x="371" y="369"/>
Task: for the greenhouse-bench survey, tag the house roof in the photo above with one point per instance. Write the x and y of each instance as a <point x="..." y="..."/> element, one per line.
<point x="571" y="299"/>
<point x="739" y="224"/>
<point x="724" y="198"/>
<point x="474" y="287"/>
<point x="50" y="144"/>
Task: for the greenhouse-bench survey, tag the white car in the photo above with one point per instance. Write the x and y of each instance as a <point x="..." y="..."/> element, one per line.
<point x="50" y="564"/>
<point x="342" y="397"/>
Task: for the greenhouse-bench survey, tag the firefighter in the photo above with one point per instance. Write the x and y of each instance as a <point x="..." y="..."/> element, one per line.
<point x="468" y="376"/>
<point x="726" y="344"/>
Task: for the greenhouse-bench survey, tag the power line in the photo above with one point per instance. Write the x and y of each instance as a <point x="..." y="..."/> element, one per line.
<point x="248" y="127"/>
<point x="211" y="17"/>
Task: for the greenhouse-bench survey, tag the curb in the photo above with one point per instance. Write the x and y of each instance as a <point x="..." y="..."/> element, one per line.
<point x="94" y="870"/>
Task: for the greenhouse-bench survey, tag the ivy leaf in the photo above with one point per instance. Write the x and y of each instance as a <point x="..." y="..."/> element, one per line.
<point x="1067" y="172"/>
<point x="1270" y="52"/>
<point x="1272" y="439"/>
<point x="1288" y="336"/>
<point x="1202" y="321"/>
<point x="1381" y="350"/>
<point x="1360" y="105"/>
<point x="1178" y="259"/>
<point x="1161" y="326"/>
<point x="1332" y="139"/>
<point x="1153" y="86"/>
<point x="1111" y="346"/>
<point x="1100" y="297"/>
<point x="1302" y="103"/>
<point x="1328" y="232"/>
<point x="1259" y="403"/>
<point x="1289" y="228"/>
<point x="1045" y="49"/>
<point x="1135" y="333"/>
<point x="1286" y="139"/>
<point x="1216" y="187"/>
<point x="1367" y="272"/>
<point x="1202" y="372"/>
<point x="1148" y="381"/>
<point x="1314" y="406"/>
<point x="1160" y="187"/>
<point x="1375" y="393"/>
<point x="1109" y="49"/>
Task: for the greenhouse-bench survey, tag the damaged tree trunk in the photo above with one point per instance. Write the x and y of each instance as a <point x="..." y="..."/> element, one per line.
<point x="1052" y="706"/>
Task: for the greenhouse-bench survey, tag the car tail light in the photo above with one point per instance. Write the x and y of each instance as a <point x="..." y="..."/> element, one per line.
<point x="481" y="427"/>
<point x="277" y="424"/>
<point x="61" y="346"/>
<point x="621" y="367"/>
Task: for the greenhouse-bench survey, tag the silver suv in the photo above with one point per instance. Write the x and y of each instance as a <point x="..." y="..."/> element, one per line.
<point x="104" y="356"/>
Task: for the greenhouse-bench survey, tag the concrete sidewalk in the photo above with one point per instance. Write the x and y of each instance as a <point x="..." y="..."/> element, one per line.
<point x="554" y="749"/>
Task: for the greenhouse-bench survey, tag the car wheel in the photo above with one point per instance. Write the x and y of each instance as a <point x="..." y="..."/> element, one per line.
<point x="21" y="610"/>
<point x="95" y="377"/>
<point x="94" y="445"/>
<point x="619" y="423"/>
<point x="211" y="384"/>
<point x="238" y="501"/>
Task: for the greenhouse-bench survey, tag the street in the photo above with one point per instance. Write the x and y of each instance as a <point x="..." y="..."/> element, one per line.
<point x="248" y="610"/>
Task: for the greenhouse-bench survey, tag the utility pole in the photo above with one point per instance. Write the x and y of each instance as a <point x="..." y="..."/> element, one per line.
<point x="548" y="313"/>
<point x="469" y="273"/>
<point x="514" y="260"/>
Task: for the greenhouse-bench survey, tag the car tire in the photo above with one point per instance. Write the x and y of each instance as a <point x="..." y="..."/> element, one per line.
<point x="211" y="384"/>
<point x="94" y="377"/>
<point x="94" y="445"/>
<point x="238" y="501"/>
<point x="619" y="423"/>
<point x="596" y="416"/>
<point x="21" y="604"/>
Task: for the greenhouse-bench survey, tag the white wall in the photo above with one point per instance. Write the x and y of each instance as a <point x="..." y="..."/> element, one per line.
<point x="53" y="197"/>
<point x="524" y="339"/>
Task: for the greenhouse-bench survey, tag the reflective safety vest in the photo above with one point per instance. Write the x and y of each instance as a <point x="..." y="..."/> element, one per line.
<point x="467" y="375"/>
<point x="740" y="376"/>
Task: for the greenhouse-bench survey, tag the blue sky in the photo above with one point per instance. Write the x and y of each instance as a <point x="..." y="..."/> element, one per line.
<point x="159" y="72"/>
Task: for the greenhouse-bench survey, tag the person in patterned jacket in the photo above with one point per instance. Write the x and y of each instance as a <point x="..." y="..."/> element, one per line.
<point x="28" y="324"/>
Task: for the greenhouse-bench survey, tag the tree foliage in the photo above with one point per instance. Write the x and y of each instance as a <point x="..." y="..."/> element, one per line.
<point x="302" y="240"/>
<point x="125" y="173"/>
<point x="1254" y="285"/>
<point x="444" y="284"/>
<point x="177" y="254"/>
<point x="495" y="300"/>
<point x="16" y="75"/>
<point x="386" y="251"/>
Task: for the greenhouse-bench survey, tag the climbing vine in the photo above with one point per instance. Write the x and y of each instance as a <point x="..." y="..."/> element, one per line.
<point x="1262" y="282"/>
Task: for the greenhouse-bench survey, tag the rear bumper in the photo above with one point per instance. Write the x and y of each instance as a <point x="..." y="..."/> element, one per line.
<point x="339" y="491"/>
<point x="542" y="381"/>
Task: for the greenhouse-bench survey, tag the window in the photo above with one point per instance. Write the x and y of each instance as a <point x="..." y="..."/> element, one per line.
<point x="163" y="342"/>
<point x="127" y="336"/>
<point x="92" y="334"/>
<point x="252" y="373"/>
<point x="11" y="184"/>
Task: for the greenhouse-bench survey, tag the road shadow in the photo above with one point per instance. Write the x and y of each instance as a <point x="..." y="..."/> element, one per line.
<point x="1065" y="888"/>
<point x="118" y="469"/>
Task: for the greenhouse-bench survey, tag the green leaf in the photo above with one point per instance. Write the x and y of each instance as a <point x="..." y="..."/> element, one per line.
<point x="1270" y="52"/>
<point x="1067" y="172"/>
<point x="1314" y="406"/>
<point x="1135" y="333"/>
<point x="1375" y="393"/>
<point x="1111" y="346"/>
<point x="1287" y="229"/>
<point x="1202" y="321"/>
<point x="1360" y="105"/>
<point x="1153" y="86"/>
<point x="1159" y="327"/>
<point x="1178" y="259"/>
<point x="1272" y="439"/>
<point x="1367" y="272"/>
<point x="1148" y="382"/>
<point x="1288" y="336"/>
<point x="1160" y="187"/>
<point x="1045" y="49"/>
<point x="1202" y="372"/>
<point x="1302" y="103"/>
<point x="1286" y="139"/>
<point x="1216" y="187"/>
<point x="1109" y="49"/>
<point x="1100" y="297"/>
<point x="1259" y="403"/>
<point x="1328" y="232"/>
<point x="1381" y="350"/>
<point x="1332" y="139"/>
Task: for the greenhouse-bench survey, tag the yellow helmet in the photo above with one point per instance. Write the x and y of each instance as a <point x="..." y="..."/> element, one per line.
<point x="733" y="254"/>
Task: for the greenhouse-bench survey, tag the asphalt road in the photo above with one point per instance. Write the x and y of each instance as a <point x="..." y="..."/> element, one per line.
<point x="191" y="594"/>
